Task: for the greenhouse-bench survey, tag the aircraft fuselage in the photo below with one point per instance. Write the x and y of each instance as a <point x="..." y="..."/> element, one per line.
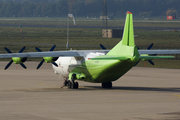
<point x="96" y="71"/>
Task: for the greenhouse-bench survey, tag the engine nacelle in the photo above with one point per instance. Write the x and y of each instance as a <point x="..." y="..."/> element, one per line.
<point x="50" y="59"/>
<point x="18" y="60"/>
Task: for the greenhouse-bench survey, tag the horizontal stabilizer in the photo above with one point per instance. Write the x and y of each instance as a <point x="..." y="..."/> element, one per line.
<point x="105" y="57"/>
<point x="155" y="57"/>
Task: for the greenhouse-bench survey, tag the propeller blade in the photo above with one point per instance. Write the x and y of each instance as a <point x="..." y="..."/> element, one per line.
<point x="23" y="65"/>
<point x="54" y="64"/>
<point x="7" y="50"/>
<point x="151" y="62"/>
<point x="9" y="64"/>
<point x="38" y="49"/>
<point x="53" y="47"/>
<point x="150" y="46"/>
<point x="40" y="64"/>
<point x="22" y="49"/>
<point x="102" y="47"/>
<point x="137" y="63"/>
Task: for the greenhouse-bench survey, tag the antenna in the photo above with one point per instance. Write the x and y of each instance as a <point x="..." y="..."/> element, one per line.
<point x="69" y="16"/>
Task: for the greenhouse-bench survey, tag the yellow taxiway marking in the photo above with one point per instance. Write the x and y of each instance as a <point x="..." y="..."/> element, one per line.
<point x="178" y="96"/>
<point x="43" y="84"/>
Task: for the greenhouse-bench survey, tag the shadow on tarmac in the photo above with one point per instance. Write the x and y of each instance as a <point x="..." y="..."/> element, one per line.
<point x="119" y="88"/>
<point x="124" y="88"/>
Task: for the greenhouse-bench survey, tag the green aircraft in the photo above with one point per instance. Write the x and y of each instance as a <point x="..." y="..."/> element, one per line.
<point x="97" y="66"/>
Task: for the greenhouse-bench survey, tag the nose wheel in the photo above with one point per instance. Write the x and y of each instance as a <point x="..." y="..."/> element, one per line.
<point x="107" y="85"/>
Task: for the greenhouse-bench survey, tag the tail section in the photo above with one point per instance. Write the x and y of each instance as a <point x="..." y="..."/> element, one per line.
<point x="126" y="47"/>
<point x="128" y="35"/>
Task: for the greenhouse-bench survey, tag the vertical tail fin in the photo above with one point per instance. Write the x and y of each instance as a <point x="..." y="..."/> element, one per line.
<point x="128" y="35"/>
<point x="126" y="47"/>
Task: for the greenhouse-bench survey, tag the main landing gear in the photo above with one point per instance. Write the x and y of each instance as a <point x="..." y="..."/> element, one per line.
<point x="72" y="84"/>
<point x="107" y="85"/>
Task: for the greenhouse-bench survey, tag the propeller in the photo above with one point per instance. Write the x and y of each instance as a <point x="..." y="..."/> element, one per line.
<point x="47" y="59"/>
<point x="102" y="47"/>
<point x="150" y="61"/>
<point x="16" y="60"/>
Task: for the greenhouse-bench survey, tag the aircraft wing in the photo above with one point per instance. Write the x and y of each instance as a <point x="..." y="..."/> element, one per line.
<point x="159" y="52"/>
<point x="76" y="53"/>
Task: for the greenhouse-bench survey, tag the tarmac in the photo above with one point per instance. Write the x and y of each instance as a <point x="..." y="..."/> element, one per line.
<point x="141" y="94"/>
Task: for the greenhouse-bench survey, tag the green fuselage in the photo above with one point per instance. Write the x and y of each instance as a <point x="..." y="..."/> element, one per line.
<point x="99" y="71"/>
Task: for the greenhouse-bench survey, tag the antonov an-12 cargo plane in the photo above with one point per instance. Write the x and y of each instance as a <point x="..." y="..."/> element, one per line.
<point x="96" y="66"/>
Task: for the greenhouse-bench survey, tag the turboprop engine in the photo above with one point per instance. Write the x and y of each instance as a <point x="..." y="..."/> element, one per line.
<point x="16" y="60"/>
<point x="47" y="59"/>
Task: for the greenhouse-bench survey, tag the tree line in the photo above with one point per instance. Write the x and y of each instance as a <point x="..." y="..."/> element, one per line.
<point x="86" y="8"/>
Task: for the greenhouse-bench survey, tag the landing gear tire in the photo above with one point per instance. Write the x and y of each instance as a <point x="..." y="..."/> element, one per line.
<point x="69" y="84"/>
<point x="66" y="83"/>
<point x="107" y="85"/>
<point x="76" y="85"/>
<point x="73" y="85"/>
